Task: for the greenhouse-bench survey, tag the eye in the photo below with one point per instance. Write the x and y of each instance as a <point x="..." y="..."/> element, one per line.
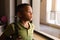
<point x="28" y="11"/>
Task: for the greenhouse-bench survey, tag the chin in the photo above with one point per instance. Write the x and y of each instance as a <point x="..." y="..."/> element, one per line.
<point x="29" y="19"/>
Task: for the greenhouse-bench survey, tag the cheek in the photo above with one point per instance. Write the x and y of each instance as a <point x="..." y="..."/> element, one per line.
<point x="30" y="15"/>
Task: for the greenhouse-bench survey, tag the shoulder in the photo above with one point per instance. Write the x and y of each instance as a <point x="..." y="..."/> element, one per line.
<point x="9" y="30"/>
<point x="10" y="27"/>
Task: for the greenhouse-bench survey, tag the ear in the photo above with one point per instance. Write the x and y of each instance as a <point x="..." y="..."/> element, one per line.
<point x="18" y="14"/>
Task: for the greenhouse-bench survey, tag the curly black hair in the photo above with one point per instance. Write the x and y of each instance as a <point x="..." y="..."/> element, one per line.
<point x="22" y="6"/>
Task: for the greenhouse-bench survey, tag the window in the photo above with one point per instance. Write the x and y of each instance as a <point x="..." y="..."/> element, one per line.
<point x="53" y="11"/>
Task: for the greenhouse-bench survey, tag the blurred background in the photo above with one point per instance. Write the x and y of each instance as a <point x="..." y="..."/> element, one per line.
<point x="46" y="17"/>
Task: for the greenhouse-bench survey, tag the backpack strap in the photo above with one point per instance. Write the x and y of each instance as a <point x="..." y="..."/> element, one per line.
<point x="15" y="28"/>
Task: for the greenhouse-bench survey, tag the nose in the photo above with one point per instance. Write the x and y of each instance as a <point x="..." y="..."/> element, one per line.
<point x="31" y="12"/>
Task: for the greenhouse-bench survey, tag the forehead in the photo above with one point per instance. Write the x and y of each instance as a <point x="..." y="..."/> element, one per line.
<point x="27" y="8"/>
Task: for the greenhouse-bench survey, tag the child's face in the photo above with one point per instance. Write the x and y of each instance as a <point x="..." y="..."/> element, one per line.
<point x="27" y="13"/>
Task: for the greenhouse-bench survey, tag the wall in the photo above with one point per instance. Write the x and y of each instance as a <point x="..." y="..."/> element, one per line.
<point x="2" y="8"/>
<point x="10" y="10"/>
<point x="7" y="9"/>
<point x="25" y="1"/>
<point x="53" y="5"/>
<point x="43" y="11"/>
<point x="19" y="1"/>
<point x="36" y="13"/>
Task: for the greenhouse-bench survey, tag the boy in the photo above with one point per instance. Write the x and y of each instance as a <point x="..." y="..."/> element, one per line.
<point x="22" y="30"/>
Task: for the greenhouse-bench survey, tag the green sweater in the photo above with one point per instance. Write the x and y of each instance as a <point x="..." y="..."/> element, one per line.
<point x="19" y="31"/>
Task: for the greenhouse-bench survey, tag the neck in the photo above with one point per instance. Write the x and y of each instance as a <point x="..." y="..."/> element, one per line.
<point x="25" y="24"/>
